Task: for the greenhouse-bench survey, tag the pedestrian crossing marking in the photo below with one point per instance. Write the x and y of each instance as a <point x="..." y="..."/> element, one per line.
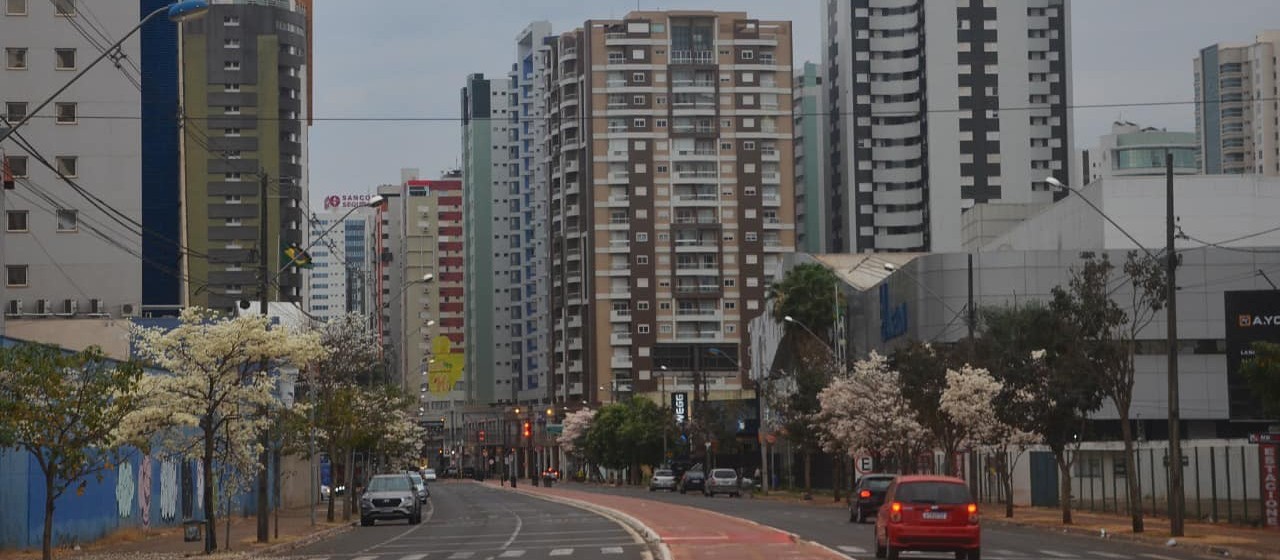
<point x="852" y="549"/>
<point x="461" y="555"/>
<point x="611" y="550"/>
<point x="1057" y="554"/>
<point x="511" y="554"/>
<point x="561" y="551"/>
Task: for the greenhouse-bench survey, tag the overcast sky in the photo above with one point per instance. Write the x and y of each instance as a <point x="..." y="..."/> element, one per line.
<point x="408" y="58"/>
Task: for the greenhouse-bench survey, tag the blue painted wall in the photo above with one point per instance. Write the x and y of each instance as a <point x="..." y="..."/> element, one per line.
<point x="161" y="200"/>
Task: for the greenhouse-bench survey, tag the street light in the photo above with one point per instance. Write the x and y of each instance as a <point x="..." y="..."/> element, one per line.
<point x="815" y="336"/>
<point x="178" y="12"/>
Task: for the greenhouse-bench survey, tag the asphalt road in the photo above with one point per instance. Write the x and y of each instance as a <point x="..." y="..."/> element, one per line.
<point x="466" y="521"/>
<point x="829" y="525"/>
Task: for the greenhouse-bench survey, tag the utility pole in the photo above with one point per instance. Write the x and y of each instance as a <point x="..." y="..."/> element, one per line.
<point x="264" y="282"/>
<point x="1177" y="502"/>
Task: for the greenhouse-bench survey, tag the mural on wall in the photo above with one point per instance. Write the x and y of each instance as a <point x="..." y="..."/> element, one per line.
<point x="168" y="491"/>
<point x="124" y="490"/>
<point x="144" y="490"/>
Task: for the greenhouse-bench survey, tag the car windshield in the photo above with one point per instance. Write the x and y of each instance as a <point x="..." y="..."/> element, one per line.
<point x="431" y="471"/>
<point x="947" y="493"/>
<point x="724" y="473"/>
<point x="693" y="474"/>
<point x="389" y="484"/>
<point x="662" y="472"/>
<point x="878" y="484"/>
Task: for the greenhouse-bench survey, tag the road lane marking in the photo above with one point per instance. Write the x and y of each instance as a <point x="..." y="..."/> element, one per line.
<point x="365" y="558"/>
<point x="561" y="551"/>
<point x="1004" y="552"/>
<point x="461" y="555"/>
<point x="1157" y="556"/>
<point x="1057" y="554"/>
<point x="414" y="557"/>
<point x="852" y="549"/>
<point x="1107" y="554"/>
<point x="511" y="554"/>
<point x="611" y="550"/>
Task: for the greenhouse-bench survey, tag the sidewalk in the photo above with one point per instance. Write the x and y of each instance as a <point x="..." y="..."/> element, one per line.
<point x="695" y="534"/>
<point x="295" y="531"/>
<point x="1220" y="539"/>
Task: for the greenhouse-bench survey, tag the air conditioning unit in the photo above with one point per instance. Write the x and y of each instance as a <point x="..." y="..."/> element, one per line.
<point x="44" y="307"/>
<point x="97" y="308"/>
<point x="128" y="310"/>
<point x="69" y="307"/>
<point x="14" y="309"/>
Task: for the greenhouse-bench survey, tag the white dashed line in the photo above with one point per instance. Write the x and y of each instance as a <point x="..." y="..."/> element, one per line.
<point x="561" y="551"/>
<point x="511" y="554"/>
<point x="852" y="549"/>
<point x="461" y="555"/>
<point x="1057" y="554"/>
<point x="1107" y="554"/>
<point x="611" y="550"/>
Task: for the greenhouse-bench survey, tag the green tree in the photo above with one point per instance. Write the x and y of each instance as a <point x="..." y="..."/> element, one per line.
<point x="807" y="293"/>
<point x="66" y="410"/>
<point x="1049" y="385"/>
<point x="1262" y="372"/>
<point x="922" y="377"/>
<point x="800" y="408"/>
<point x="1109" y="334"/>
<point x="626" y="435"/>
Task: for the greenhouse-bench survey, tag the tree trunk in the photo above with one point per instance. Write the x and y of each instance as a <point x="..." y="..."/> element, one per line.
<point x="261" y="497"/>
<point x="350" y="503"/>
<point x="210" y="512"/>
<point x="808" y="471"/>
<point x="1064" y="483"/>
<point x="333" y="485"/>
<point x="837" y="477"/>
<point x="1006" y="483"/>
<point x="1130" y="473"/>
<point x="46" y="551"/>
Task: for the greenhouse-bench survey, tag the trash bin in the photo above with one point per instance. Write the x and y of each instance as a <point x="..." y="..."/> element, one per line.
<point x="192" y="530"/>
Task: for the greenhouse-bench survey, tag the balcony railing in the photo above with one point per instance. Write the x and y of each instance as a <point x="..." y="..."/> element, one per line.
<point x="696" y="174"/>
<point x="696" y="312"/>
<point x="692" y="57"/>
<point x="696" y="197"/>
<point x="701" y="289"/>
<point x="686" y="128"/>
<point x="693" y="83"/>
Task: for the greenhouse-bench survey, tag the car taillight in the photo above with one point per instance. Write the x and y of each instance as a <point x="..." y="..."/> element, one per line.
<point x="973" y="514"/>
<point x="895" y="512"/>
<point x="864" y="494"/>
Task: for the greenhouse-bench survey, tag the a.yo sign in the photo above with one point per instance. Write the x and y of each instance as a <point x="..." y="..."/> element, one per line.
<point x="680" y="407"/>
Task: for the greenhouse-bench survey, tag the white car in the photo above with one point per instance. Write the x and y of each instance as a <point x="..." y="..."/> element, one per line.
<point x="429" y="474"/>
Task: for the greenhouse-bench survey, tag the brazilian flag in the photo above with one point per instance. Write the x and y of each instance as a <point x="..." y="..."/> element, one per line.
<point x="297" y="256"/>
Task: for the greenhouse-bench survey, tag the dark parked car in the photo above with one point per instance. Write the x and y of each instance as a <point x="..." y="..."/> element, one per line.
<point x="931" y="514"/>
<point x="868" y="496"/>
<point x="722" y="481"/>
<point x="451" y="471"/>
<point x="468" y="472"/>
<point x="390" y="496"/>
<point x="419" y="486"/>
<point x="693" y="480"/>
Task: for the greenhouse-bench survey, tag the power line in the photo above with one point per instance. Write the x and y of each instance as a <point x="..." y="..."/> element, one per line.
<point x="828" y="114"/>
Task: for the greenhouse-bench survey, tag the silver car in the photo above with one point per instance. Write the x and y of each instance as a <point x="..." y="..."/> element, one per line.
<point x="722" y="481"/>
<point x="390" y="496"/>
<point x="663" y="479"/>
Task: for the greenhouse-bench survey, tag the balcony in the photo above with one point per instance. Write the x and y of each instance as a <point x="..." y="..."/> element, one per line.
<point x="692" y="129"/>
<point x="772" y="177"/>
<point x="770" y="155"/>
<point x="698" y="289"/>
<point x="575" y="321"/>
<point x="575" y="366"/>
<point x="617" y="177"/>
<point x="620" y="361"/>
<point x="697" y="312"/>
<point x="710" y="174"/>
<point x="698" y="197"/>
<point x="771" y="200"/>
<point x="619" y="316"/>
<point x="620" y="338"/>
<point x="618" y="201"/>
<point x="692" y="57"/>
<point x="697" y="335"/>
<point x="694" y="83"/>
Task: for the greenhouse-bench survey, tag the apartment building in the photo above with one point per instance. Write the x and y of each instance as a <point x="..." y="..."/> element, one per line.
<point x="1237" y="106"/>
<point x="669" y="151"/>
<point x="433" y="339"/>
<point x="1133" y="150"/>
<point x="68" y="258"/>
<point x="494" y="236"/>
<point x="246" y="97"/>
<point x="921" y="131"/>
<point x="339" y="267"/>
<point x="808" y="100"/>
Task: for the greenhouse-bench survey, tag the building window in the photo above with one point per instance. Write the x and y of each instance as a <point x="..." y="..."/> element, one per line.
<point x="638" y="123"/>
<point x="231" y="65"/>
<point x="17" y="221"/>
<point x="15" y="275"/>
<point x="748" y="55"/>
<point x="232" y="199"/>
<point x="642" y="306"/>
<point x="15" y="111"/>
<point x="638" y="77"/>
<point x="232" y="132"/>
<point x="68" y="220"/>
<point x="66" y="59"/>
<point x="67" y="165"/>
<point x="17" y="166"/>
<point x="66" y="113"/>
<point x="230" y="88"/>
<point x="642" y="329"/>
<point x="231" y="21"/>
<point x="16" y="58"/>
<point x="231" y="43"/>
<point x="16" y="8"/>
<point x="231" y="110"/>
<point x="64" y="7"/>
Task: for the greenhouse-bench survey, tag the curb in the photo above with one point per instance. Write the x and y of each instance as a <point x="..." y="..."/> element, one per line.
<point x="1214" y="550"/>
<point x="793" y="536"/>
<point x="315" y="537"/>
<point x="663" y="552"/>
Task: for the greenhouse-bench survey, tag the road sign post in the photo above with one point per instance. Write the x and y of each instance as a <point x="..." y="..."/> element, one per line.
<point x="865" y="465"/>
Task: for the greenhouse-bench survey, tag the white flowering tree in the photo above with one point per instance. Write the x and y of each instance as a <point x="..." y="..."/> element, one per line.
<point x="575" y="427"/>
<point x="970" y="399"/>
<point x="207" y="406"/>
<point x="865" y="412"/>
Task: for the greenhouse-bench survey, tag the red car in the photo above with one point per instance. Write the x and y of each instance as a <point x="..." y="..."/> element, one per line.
<point x="928" y="513"/>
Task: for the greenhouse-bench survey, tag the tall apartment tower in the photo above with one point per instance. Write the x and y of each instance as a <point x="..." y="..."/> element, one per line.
<point x="339" y="270"/>
<point x="433" y="335"/>
<point x="495" y="241"/>
<point x="1237" y="103"/>
<point x="66" y="256"/>
<point x="246" y="103"/>
<point x="921" y="131"/>
<point x="669" y="150"/>
<point x="529" y="88"/>
<point x="808" y="101"/>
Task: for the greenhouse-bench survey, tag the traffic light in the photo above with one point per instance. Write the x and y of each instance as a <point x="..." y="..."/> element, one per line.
<point x="528" y="429"/>
<point x="481" y="435"/>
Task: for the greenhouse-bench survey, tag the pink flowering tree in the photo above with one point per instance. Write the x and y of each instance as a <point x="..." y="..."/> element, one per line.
<point x="866" y="412"/>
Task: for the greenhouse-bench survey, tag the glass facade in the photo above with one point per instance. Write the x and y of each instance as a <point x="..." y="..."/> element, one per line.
<point x="1152" y="158"/>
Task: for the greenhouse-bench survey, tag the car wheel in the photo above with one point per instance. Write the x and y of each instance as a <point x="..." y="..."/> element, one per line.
<point x="890" y="552"/>
<point x="975" y="554"/>
<point x="880" y="552"/>
<point x="366" y="522"/>
<point x="862" y="517"/>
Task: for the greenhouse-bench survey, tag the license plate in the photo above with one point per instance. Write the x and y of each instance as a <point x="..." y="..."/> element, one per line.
<point x="940" y="515"/>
